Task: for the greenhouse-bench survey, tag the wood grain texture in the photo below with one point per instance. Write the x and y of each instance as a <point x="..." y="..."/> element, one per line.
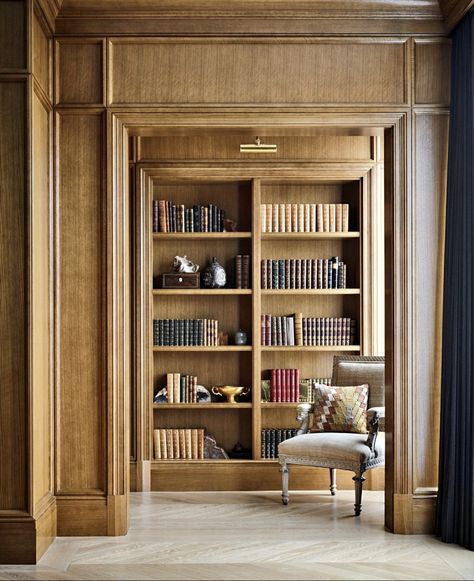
<point x="430" y="154"/>
<point x="41" y="304"/>
<point x="13" y="30"/>
<point x="256" y="72"/>
<point x="79" y="72"/>
<point x="454" y="10"/>
<point x="80" y="456"/>
<point x="14" y="362"/>
<point x="81" y="516"/>
<point x="42" y="55"/>
<point x="432" y="72"/>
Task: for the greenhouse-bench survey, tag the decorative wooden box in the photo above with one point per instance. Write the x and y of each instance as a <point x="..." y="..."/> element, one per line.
<point x="180" y="280"/>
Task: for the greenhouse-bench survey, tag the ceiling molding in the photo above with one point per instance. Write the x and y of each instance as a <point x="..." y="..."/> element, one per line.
<point x="454" y="10"/>
<point x="50" y="10"/>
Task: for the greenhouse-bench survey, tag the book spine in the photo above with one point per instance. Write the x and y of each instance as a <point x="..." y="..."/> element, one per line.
<point x="282" y="217"/>
<point x="263" y="274"/>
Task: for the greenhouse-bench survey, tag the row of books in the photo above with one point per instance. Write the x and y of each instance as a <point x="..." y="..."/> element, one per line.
<point x="285" y="385"/>
<point x="305" y="217"/>
<point x="272" y="438"/>
<point x="169" y="217"/>
<point x="306" y="388"/>
<point x="242" y="271"/>
<point x="178" y="443"/>
<point x="185" y="332"/>
<point x="307" y="331"/>
<point x="181" y="388"/>
<point x="303" y="273"/>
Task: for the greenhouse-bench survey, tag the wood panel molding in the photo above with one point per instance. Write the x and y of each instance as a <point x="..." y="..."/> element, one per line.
<point x="432" y="72"/>
<point x="13" y="36"/>
<point x="257" y="71"/>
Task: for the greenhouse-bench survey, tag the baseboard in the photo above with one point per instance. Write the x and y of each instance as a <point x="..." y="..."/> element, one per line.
<point x="253" y="475"/>
<point x="414" y="514"/>
<point x="92" y="516"/>
<point x="24" y="539"/>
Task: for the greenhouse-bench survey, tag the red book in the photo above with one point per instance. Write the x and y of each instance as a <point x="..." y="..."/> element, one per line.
<point x="297" y="386"/>
<point x="273" y="394"/>
<point x="288" y="385"/>
<point x="278" y="389"/>
<point x="292" y="385"/>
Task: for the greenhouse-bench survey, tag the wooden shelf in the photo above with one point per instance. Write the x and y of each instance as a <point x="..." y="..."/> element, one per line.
<point x="202" y="291"/>
<point x="218" y="349"/>
<point x="279" y="404"/>
<point x="308" y="235"/>
<point x="318" y="291"/>
<point x="199" y="235"/>
<point x="201" y="406"/>
<point x="202" y="461"/>
<point x="325" y="348"/>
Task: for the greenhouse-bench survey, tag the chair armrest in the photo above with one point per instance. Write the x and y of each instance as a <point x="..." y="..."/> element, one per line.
<point x="374" y="415"/>
<point x="302" y="416"/>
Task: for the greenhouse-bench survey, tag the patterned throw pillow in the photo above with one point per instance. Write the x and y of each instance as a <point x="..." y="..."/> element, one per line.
<point x="340" y="409"/>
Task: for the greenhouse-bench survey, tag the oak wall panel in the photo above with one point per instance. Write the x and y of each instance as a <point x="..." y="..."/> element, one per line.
<point x="13" y="53"/>
<point x="13" y="299"/>
<point x="432" y="72"/>
<point x="276" y="71"/>
<point x="218" y="147"/>
<point x="79" y="72"/>
<point x="42" y="57"/>
<point x="81" y="413"/>
<point x="41" y="302"/>
<point x="430" y="157"/>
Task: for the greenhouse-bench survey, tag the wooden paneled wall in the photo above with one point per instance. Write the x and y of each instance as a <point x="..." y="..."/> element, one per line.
<point x="396" y="74"/>
<point x="27" y="503"/>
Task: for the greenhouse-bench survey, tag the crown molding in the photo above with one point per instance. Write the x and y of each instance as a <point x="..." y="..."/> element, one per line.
<point x="454" y="11"/>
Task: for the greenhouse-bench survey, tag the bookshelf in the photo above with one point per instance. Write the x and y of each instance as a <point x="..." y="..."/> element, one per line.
<point x="246" y="365"/>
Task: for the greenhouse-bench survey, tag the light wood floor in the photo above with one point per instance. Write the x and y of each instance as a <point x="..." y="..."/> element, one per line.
<point x="251" y="536"/>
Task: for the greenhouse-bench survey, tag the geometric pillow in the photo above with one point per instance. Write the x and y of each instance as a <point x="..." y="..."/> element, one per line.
<point x="340" y="409"/>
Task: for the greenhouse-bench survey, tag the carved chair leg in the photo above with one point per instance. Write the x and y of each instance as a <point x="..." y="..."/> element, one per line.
<point x="332" y="487"/>
<point x="284" y="484"/>
<point x="359" y="481"/>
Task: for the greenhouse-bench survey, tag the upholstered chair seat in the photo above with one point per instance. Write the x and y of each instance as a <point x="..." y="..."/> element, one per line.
<point x="344" y="450"/>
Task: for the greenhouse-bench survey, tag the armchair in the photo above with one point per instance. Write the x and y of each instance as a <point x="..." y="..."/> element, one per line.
<point x="342" y="450"/>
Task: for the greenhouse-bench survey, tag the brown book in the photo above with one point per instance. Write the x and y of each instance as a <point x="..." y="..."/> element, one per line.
<point x="175" y="434"/>
<point x="332" y="217"/>
<point x="345" y="217"/>
<point x="163" y="216"/>
<point x="307" y="218"/>
<point x="157" y="444"/>
<point x="194" y="443"/>
<point x="300" y="217"/>
<point x="188" y="443"/>
<point x="238" y="271"/>
<point x="182" y="218"/>
<point x="263" y="217"/>
<point x="163" y="447"/>
<point x="170" y="387"/>
<point x="270" y="218"/>
<point x="339" y="218"/>
<point x="294" y="217"/>
<point x="313" y="218"/>
<point x="169" y="444"/>
<point x="282" y="218"/>
<point x="176" y="387"/>
<point x="246" y="271"/>
<point x="275" y="218"/>
<point x="182" y="444"/>
<point x="201" y="443"/>
<point x="288" y="223"/>
<point x="326" y="218"/>
<point x="298" y="328"/>
<point x="263" y="274"/>
<point x="194" y="383"/>
<point x="320" y="218"/>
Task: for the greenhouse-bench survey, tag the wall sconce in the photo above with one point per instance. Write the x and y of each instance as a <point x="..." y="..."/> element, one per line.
<point x="257" y="147"/>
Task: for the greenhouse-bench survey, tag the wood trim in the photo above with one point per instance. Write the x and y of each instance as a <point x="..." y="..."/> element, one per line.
<point x="454" y="11"/>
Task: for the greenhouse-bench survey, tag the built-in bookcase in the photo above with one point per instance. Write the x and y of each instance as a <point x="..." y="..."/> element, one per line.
<point x="241" y="196"/>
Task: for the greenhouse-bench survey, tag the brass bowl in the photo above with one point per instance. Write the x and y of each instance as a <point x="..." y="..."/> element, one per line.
<point x="230" y="391"/>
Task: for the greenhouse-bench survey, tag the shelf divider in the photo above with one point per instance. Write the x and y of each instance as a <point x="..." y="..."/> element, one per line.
<point x="256" y="315"/>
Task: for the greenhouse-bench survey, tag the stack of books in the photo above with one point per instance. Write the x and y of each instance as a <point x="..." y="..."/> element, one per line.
<point x="307" y="331"/>
<point x="272" y="438"/>
<point x="302" y="273"/>
<point x="305" y="217"/>
<point x="242" y="271"/>
<point x="169" y="217"/>
<point x="179" y="443"/>
<point x="307" y="386"/>
<point x="181" y="388"/>
<point x="185" y="332"/>
<point x="285" y="385"/>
